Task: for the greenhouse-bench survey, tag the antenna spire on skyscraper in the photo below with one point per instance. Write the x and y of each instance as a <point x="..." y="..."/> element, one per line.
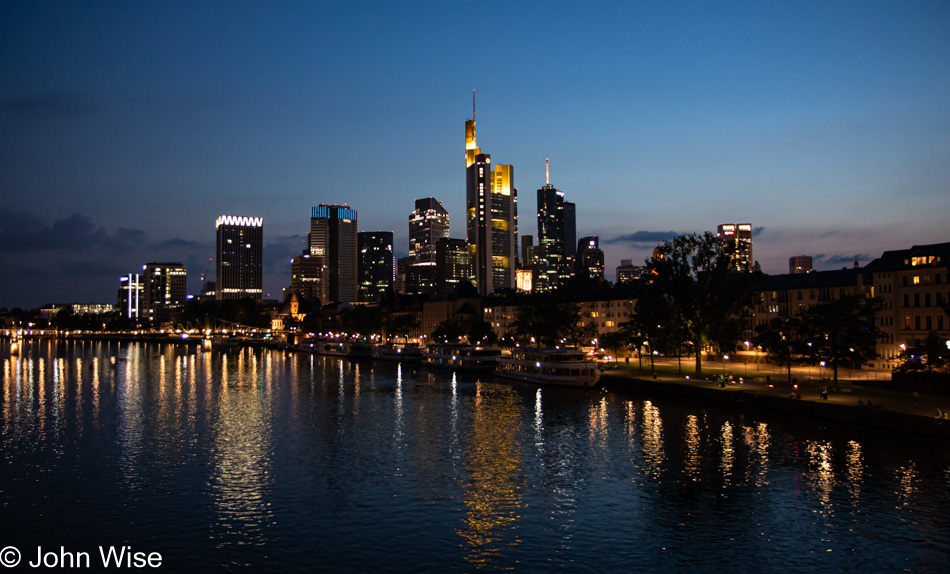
<point x="547" y="172"/>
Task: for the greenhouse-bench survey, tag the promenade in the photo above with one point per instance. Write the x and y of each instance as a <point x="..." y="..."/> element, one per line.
<point x="764" y="386"/>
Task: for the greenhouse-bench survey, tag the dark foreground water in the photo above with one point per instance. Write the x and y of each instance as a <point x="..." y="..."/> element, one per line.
<point x="264" y="461"/>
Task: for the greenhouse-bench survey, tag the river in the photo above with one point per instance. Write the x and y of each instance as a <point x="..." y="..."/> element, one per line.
<point x="268" y="461"/>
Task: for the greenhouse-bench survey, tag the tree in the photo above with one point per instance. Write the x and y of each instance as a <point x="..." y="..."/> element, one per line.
<point x="403" y="325"/>
<point x="645" y="327"/>
<point x="705" y="298"/>
<point x="841" y="331"/>
<point x="549" y="321"/>
<point x="448" y="331"/>
<point x="927" y="355"/>
<point x="780" y="339"/>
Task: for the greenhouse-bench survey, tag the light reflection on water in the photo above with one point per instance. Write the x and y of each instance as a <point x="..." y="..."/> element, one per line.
<point x="274" y="460"/>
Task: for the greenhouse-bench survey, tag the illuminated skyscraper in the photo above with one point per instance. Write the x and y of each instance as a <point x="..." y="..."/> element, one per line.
<point x="240" y="253"/>
<point x="590" y="258"/>
<point x="333" y="238"/>
<point x="130" y="295"/>
<point x="377" y="267"/>
<point x="800" y="264"/>
<point x="735" y="239"/>
<point x="164" y="291"/>
<point x="491" y="216"/>
<point x="306" y="277"/>
<point x="428" y="223"/>
<point x="556" y="235"/>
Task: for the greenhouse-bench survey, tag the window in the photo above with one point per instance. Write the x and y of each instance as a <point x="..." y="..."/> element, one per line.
<point x="917" y="322"/>
<point x="916" y="279"/>
<point x="930" y="325"/>
<point x="906" y="321"/>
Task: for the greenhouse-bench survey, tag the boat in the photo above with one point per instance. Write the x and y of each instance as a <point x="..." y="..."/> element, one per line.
<point x="398" y="352"/>
<point x="463" y="357"/>
<point x="549" y="366"/>
<point x="349" y="349"/>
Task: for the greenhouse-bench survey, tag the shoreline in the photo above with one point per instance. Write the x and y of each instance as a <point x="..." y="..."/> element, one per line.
<point x="890" y="414"/>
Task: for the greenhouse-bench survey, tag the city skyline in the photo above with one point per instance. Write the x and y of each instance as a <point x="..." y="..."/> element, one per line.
<point x="126" y="129"/>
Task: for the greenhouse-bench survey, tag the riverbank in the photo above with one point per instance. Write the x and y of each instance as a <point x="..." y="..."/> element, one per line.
<point x="853" y="404"/>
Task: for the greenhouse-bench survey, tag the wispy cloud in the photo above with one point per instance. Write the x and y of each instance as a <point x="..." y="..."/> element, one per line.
<point x="840" y="259"/>
<point x="642" y="238"/>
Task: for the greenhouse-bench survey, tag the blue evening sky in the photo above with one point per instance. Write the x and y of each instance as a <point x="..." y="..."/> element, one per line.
<point x="127" y="128"/>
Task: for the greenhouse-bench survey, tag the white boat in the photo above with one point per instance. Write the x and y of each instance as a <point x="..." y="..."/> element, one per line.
<point x="549" y="366"/>
<point x="461" y="357"/>
<point x="348" y="349"/>
<point x="398" y="352"/>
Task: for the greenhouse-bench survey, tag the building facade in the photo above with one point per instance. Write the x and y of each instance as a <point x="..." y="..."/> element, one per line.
<point x="377" y="266"/>
<point x="333" y="238"/>
<point x="491" y="217"/>
<point x="164" y="291"/>
<point x="240" y="249"/>
<point x="800" y="264"/>
<point x="590" y="259"/>
<point x="735" y="239"/>
<point x="453" y="265"/>
<point x="306" y="277"/>
<point x="130" y="295"/>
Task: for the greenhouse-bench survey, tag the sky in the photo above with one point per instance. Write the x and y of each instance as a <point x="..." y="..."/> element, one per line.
<point x="127" y="128"/>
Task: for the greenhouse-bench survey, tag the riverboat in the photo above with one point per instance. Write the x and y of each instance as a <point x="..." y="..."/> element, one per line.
<point x="549" y="366"/>
<point x="348" y="349"/>
<point x="461" y="357"/>
<point x="398" y="352"/>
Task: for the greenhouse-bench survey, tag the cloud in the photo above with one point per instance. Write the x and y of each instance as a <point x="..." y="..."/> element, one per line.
<point x="757" y="230"/>
<point x="50" y="105"/>
<point x="839" y="259"/>
<point x="278" y="252"/>
<point x="22" y="232"/>
<point x="643" y="238"/>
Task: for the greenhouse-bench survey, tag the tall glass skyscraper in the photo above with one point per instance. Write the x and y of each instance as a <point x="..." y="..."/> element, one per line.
<point x="557" y="236"/>
<point x="377" y="268"/>
<point x="333" y="238"/>
<point x="240" y="258"/>
<point x="491" y="217"/>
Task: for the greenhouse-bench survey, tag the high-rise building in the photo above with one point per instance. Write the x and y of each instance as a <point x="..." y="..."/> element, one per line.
<point x="306" y="277"/>
<point x="130" y="295"/>
<point x="590" y="258"/>
<point x="333" y="237"/>
<point x="164" y="291"/>
<point x="377" y="268"/>
<point x="735" y="239"/>
<point x="453" y="265"/>
<point x="428" y="223"/>
<point x="240" y="258"/>
<point x="800" y="264"/>
<point x="491" y="216"/>
<point x="556" y="235"/>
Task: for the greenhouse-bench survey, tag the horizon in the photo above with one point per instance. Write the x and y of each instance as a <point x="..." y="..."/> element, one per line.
<point x="128" y="129"/>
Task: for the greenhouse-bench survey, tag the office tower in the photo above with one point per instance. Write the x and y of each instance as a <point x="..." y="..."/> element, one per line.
<point x="800" y="264"/>
<point x="130" y="295"/>
<point x="590" y="258"/>
<point x="735" y="240"/>
<point x="377" y="269"/>
<point x="239" y="262"/>
<point x="627" y="272"/>
<point x="306" y="277"/>
<point x="556" y="235"/>
<point x="491" y="216"/>
<point x="453" y="264"/>
<point x="164" y="291"/>
<point x="333" y="238"/>
<point x="428" y="223"/>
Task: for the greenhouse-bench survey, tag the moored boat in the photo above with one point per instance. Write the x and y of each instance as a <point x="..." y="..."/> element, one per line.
<point x="461" y="357"/>
<point x="398" y="352"/>
<point x="549" y="366"/>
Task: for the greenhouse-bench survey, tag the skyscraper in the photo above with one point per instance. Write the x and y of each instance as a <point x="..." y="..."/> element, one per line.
<point x="333" y="238"/>
<point x="556" y="235"/>
<point x="306" y="277"/>
<point x="428" y="223"/>
<point x="239" y="271"/>
<point x="735" y="240"/>
<point x="590" y="258"/>
<point x="376" y="264"/>
<point x="800" y="264"/>
<point x="130" y="295"/>
<point x="164" y="292"/>
<point x="490" y="200"/>
<point x="453" y="265"/>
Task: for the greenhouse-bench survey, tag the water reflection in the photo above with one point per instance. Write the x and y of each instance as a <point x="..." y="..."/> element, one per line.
<point x="494" y="487"/>
<point x="241" y="456"/>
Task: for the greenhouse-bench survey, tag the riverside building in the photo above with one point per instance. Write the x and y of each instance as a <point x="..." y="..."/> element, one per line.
<point x="333" y="239"/>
